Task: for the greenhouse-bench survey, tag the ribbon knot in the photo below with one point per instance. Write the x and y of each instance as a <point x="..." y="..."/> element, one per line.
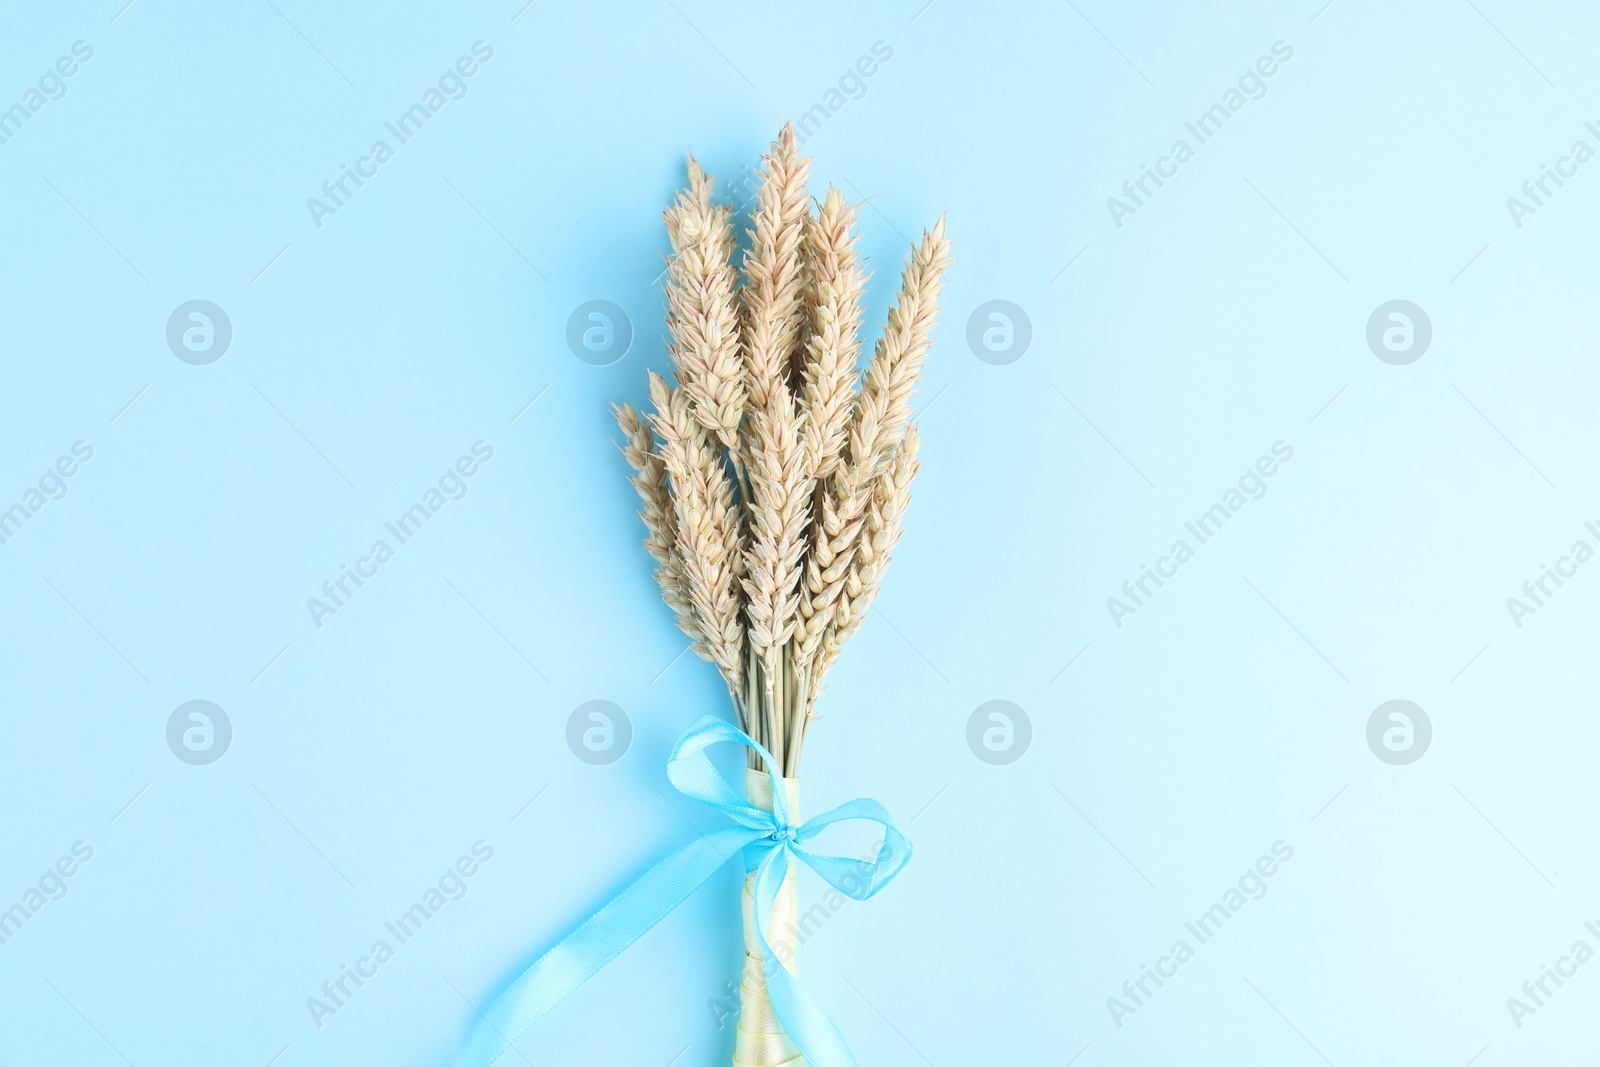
<point x="766" y="836"/>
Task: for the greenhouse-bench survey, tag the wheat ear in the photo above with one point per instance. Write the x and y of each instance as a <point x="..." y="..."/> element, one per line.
<point x="702" y="313"/>
<point x="861" y="510"/>
<point x="708" y="537"/>
<point x="779" y="510"/>
<point x="884" y="407"/>
<point x="877" y="425"/>
<point x="772" y="274"/>
<point x="650" y="479"/>
<point x="774" y="423"/>
<point x="880" y="533"/>
<point x="835" y="283"/>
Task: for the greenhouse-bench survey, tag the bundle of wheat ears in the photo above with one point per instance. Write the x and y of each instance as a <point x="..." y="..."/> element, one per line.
<point x="773" y="479"/>
<point x="774" y="482"/>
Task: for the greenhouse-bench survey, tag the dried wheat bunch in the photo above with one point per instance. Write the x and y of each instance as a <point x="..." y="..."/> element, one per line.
<point x="775" y="480"/>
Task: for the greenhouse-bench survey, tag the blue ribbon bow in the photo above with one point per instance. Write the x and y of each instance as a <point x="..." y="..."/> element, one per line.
<point x="767" y="838"/>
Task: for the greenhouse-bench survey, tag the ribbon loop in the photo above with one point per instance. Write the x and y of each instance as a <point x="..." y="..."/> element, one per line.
<point x="768" y="837"/>
<point x="855" y="878"/>
<point x="690" y="771"/>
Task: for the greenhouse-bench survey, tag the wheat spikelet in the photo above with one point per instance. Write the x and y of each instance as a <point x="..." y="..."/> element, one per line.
<point x="707" y="529"/>
<point x="702" y="314"/>
<point x="833" y="545"/>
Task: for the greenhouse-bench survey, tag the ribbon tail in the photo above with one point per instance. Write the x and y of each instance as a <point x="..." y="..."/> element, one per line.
<point x="819" y="1040"/>
<point x="600" y="939"/>
<point x="815" y="1034"/>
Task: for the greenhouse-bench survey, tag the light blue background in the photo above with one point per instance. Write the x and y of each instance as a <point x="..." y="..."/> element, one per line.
<point x="1228" y="714"/>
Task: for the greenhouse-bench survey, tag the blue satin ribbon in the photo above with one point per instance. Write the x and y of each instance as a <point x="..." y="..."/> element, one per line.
<point x="768" y="839"/>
